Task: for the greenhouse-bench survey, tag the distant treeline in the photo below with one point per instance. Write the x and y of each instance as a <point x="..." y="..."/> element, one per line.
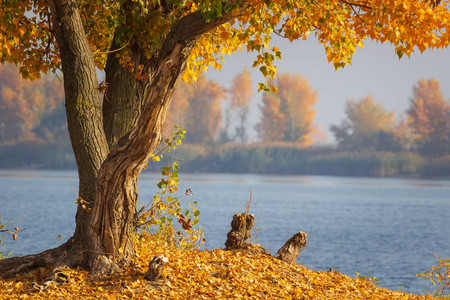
<point x="255" y="158"/>
<point x="369" y="141"/>
<point x="37" y="156"/>
<point x="293" y="160"/>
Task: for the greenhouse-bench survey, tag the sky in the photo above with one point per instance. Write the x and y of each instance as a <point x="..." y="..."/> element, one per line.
<point x="375" y="71"/>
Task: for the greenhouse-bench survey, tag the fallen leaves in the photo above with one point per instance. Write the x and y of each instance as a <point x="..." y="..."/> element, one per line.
<point x="209" y="274"/>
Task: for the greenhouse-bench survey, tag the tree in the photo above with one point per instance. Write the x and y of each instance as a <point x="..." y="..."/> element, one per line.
<point x="403" y="134"/>
<point x="144" y="48"/>
<point x="367" y="126"/>
<point x="241" y="94"/>
<point x="197" y="108"/>
<point x="429" y="118"/>
<point x="24" y="104"/>
<point x="319" y="136"/>
<point x="288" y="115"/>
<point x="178" y="114"/>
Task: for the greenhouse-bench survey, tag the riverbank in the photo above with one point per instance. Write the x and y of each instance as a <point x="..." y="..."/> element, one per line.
<point x="208" y="274"/>
<point x="280" y="159"/>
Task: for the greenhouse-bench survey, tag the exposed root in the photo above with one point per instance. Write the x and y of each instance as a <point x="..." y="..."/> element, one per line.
<point x="13" y="266"/>
<point x="104" y="266"/>
<point x="66" y="255"/>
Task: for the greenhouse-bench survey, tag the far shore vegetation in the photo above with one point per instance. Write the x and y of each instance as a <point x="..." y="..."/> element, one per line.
<point x="369" y="141"/>
<point x="280" y="158"/>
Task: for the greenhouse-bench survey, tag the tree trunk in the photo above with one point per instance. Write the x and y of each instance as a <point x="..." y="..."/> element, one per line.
<point x="108" y="167"/>
<point x="124" y="96"/>
<point x="84" y="117"/>
<point x="115" y="202"/>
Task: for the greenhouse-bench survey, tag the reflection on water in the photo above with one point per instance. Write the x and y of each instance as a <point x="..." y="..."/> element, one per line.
<point x="383" y="227"/>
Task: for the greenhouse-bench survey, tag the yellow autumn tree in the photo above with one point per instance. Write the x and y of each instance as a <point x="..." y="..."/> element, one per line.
<point x="429" y="118"/>
<point x="197" y="108"/>
<point x="367" y="126"/>
<point x="241" y="94"/>
<point x="145" y="47"/>
<point x="288" y="115"/>
<point x="24" y="104"/>
<point x="178" y="115"/>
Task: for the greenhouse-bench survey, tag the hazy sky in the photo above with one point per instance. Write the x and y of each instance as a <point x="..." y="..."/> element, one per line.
<point x="375" y="70"/>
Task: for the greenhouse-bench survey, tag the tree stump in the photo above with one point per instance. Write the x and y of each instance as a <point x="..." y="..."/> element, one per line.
<point x="291" y="249"/>
<point x="155" y="267"/>
<point x="240" y="231"/>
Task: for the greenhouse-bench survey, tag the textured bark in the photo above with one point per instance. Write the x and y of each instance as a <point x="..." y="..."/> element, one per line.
<point x="291" y="249"/>
<point x="124" y="96"/>
<point x="240" y="231"/>
<point x="155" y="267"/>
<point x="84" y="117"/>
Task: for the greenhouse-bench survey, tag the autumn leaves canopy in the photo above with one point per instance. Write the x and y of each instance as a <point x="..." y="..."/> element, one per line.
<point x="341" y="26"/>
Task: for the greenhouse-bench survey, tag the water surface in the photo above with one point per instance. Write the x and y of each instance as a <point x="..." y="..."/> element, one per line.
<point x="384" y="228"/>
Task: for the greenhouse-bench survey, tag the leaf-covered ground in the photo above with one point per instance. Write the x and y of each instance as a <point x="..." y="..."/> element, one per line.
<point x="215" y="274"/>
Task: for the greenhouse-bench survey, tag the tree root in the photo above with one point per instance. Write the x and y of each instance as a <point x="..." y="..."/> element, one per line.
<point x="13" y="266"/>
<point x="69" y="254"/>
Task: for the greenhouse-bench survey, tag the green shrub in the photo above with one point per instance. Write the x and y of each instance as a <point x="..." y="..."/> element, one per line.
<point x="157" y="217"/>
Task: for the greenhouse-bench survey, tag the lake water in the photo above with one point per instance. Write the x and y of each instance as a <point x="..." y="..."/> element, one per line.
<point x="384" y="228"/>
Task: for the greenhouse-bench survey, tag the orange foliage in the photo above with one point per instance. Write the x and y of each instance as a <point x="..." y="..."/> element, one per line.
<point x="341" y="26"/>
<point x="241" y="93"/>
<point x="197" y="108"/>
<point x="241" y="89"/>
<point x="23" y="103"/>
<point x="368" y="126"/>
<point x="288" y="115"/>
<point x="209" y="274"/>
<point x="429" y="117"/>
<point x="367" y="117"/>
<point x="319" y="135"/>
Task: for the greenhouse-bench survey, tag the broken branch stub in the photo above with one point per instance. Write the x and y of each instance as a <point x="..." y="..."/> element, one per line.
<point x="291" y="249"/>
<point x="240" y="231"/>
<point x="155" y="267"/>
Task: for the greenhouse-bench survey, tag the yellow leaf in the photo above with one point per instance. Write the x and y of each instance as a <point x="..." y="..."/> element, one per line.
<point x="235" y="12"/>
<point x="22" y="30"/>
<point x="225" y="35"/>
<point x="121" y="250"/>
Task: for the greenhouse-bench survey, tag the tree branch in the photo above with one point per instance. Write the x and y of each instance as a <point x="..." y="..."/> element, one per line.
<point x="191" y="27"/>
<point x="356" y="4"/>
